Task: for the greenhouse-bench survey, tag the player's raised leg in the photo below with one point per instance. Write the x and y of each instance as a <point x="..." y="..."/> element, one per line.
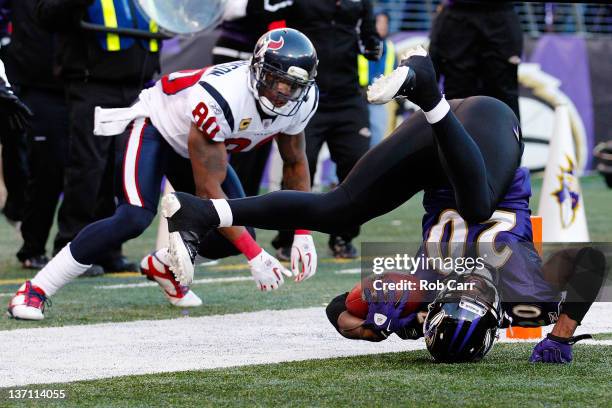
<point x="478" y="141"/>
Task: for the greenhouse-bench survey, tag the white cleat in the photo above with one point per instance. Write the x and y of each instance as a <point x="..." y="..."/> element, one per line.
<point x="181" y="296"/>
<point x="385" y="88"/>
<point x="182" y="250"/>
<point x="28" y="303"/>
<point x="397" y="84"/>
<point x="182" y="245"/>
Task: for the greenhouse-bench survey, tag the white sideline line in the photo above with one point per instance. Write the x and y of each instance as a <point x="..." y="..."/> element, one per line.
<point x="72" y="353"/>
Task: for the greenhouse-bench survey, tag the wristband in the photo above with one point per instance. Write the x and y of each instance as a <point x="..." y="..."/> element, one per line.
<point x="568" y="340"/>
<point x="247" y="245"/>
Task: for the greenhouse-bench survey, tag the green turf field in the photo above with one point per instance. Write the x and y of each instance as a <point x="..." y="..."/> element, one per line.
<point x="395" y="379"/>
<point x="79" y="303"/>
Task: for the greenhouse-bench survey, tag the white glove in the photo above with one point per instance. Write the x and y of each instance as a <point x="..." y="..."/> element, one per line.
<point x="303" y="252"/>
<point x="267" y="271"/>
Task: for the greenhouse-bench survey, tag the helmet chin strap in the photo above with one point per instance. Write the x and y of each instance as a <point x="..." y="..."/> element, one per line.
<point x="266" y="105"/>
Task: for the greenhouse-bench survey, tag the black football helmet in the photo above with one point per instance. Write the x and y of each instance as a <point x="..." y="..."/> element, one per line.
<point x="283" y="68"/>
<point x="462" y="321"/>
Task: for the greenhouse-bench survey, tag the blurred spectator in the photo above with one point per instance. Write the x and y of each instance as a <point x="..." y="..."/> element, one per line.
<point x="338" y="30"/>
<point x="601" y="17"/>
<point x="12" y="136"/>
<point x="29" y="64"/>
<point x="369" y="70"/>
<point x="476" y="46"/>
<point x="100" y="69"/>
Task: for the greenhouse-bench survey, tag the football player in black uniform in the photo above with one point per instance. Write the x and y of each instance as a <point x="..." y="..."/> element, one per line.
<point x="465" y="155"/>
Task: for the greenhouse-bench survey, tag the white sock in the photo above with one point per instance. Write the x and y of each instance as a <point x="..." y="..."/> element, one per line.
<point x="438" y="112"/>
<point x="223" y="211"/>
<point x="58" y="272"/>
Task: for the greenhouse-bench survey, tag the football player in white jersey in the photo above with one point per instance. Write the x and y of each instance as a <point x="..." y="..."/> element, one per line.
<point x="183" y="128"/>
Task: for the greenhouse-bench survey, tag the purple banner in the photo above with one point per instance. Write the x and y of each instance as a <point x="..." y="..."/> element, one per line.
<point x="566" y="58"/>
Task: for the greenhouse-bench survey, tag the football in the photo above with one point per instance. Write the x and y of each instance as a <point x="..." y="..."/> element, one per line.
<point x="357" y="305"/>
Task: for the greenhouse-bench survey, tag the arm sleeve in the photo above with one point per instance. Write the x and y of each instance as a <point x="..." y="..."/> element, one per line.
<point x="589" y="274"/>
<point x="306" y="112"/>
<point x="61" y="15"/>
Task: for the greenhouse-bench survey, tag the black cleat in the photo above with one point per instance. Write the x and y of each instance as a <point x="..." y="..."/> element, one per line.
<point x="342" y="249"/>
<point x="186" y="216"/>
<point x="283" y="254"/>
<point x="120" y="264"/>
<point x="414" y="79"/>
<point x="182" y="251"/>
<point x="36" y="262"/>
<point x="93" y="271"/>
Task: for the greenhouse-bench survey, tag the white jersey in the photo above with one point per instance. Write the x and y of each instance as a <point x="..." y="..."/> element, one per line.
<point x="218" y="100"/>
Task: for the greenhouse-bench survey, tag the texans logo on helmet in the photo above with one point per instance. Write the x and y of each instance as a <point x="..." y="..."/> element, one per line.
<point x="276" y="45"/>
<point x="270" y="44"/>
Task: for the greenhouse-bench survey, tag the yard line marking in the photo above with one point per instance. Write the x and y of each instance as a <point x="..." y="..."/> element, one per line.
<point x="122" y="274"/>
<point x="241" y="266"/>
<point x="13" y="281"/>
<point x="207" y="280"/>
<point x="350" y="271"/>
<point x="210" y="266"/>
<point x="195" y="282"/>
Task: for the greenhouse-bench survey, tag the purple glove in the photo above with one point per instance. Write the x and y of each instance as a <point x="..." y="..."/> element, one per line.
<point x="556" y="350"/>
<point x="384" y="314"/>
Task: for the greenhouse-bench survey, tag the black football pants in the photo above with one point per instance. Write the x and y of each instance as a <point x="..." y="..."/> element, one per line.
<point x="477" y="52"/>
<point x="47" y="141"/>
<point x="475" y="150"/>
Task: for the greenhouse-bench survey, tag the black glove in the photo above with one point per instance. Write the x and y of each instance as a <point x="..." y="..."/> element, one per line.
<point x="14" y="114"/>
<point x="373" y="51"/>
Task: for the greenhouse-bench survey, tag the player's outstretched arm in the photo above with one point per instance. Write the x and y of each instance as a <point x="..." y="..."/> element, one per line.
<point x="347" y="324"/>
<point x="209" y="164"/>
<point x="296" y="176"/>
<point x="352" y="327"/>
<point x="581" y="273"/>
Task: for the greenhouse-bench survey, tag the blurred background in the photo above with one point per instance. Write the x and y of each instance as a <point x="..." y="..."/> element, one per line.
<point x="535" y="56"/>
